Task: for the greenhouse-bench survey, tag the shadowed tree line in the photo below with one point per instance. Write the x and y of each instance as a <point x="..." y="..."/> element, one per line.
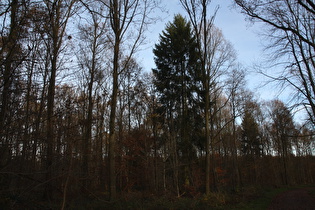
<point x="80" y="116"/>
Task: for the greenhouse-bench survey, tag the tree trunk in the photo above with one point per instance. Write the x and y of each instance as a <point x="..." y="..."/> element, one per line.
<point x="207" y="134"/>
<point x="50" y="128"/>
<point x="236" y="177"/>
<point x="56" y="31"/>
<point x="8" y="73"/>
<point x="113" y="104"/>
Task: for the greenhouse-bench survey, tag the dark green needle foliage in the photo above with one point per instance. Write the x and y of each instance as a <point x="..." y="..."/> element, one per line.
<point x="250" y="143"/>
<point x="176" y="59"/>
<point x="177" y="83"/>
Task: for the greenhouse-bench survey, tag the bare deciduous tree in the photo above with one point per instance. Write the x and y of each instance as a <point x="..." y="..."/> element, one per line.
<point x="128" y="22"/>
<point x="215" y="53"/>
<point x="58" y="14"/>
<point x="91" y="56"/>
<point x="290" y="27"/>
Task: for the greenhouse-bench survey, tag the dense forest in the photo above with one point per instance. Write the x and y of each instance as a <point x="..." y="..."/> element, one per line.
<point x="81" y="117"/>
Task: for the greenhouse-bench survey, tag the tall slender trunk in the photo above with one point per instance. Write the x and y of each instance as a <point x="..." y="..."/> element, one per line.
<point x="8" y="72"/>
<point x="236" y="178"/>
<point x="88" y="133"/>
<point x="88" y="123"/>
<point x="100" y="107"/>
<point x="155" y="135"/>
<point x="28" y="119"/>
<point x="39" y="119"/>
<point x="206" y="84"/>
<point x="58" y="20"/>
<point x="116" y="27"/>
<point x="50" y="128"/>
<point x="175" y="165"/>
<point x="212" y="155"/>
<point x="54" y="18"/>
<point x="112" y="130"/>
<point x="207" y="134"/>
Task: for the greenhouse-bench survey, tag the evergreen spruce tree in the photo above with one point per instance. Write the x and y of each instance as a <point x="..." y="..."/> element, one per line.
<point x="250" y="144"/>
<point x="176" y="81"/>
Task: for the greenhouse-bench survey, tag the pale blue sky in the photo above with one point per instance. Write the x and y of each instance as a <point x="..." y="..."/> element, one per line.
<point x="235" y="29"/>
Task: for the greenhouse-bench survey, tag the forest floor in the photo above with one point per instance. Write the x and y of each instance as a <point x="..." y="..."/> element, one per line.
<point x="303" y="198"/>
<point x="282" y="197"/>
